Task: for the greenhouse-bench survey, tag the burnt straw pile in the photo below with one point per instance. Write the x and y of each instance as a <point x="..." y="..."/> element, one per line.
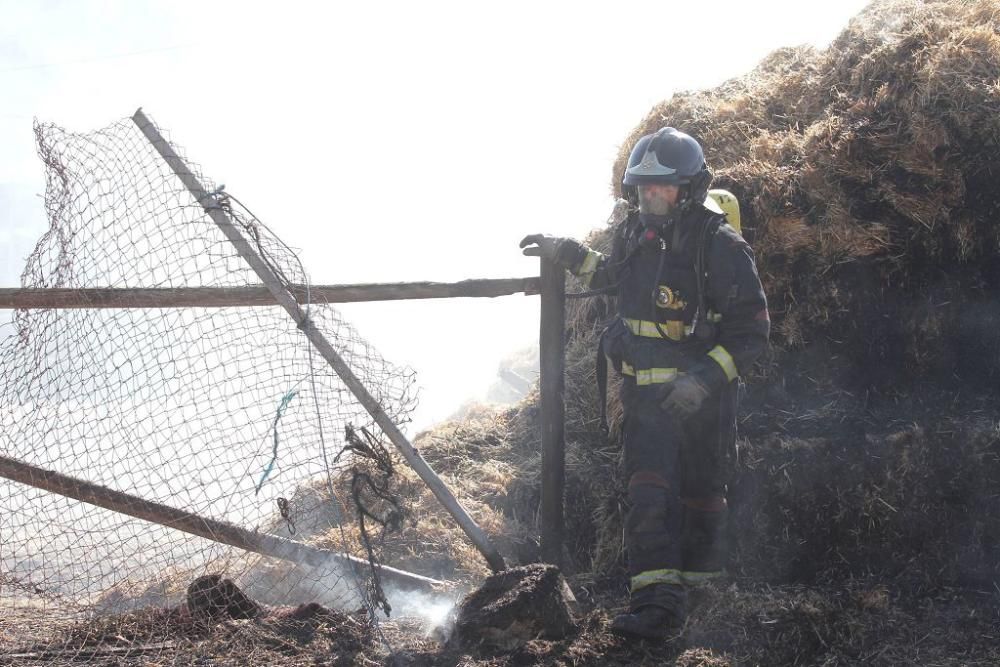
<point x="866" y="174"/>
<point x="865" y="503"/>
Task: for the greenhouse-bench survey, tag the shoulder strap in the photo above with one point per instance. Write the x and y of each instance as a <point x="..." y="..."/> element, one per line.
<point x="708" y="232"/>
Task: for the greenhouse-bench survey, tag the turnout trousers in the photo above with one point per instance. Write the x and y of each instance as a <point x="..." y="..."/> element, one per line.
<point x="676" y="469"/>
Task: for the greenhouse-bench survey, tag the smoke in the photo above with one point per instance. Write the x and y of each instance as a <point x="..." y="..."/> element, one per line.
<point x="333" y="585"/>
<point x="435" y="613"/>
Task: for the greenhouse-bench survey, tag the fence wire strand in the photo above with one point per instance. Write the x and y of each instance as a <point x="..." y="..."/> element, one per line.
<point x="222" y="412"/>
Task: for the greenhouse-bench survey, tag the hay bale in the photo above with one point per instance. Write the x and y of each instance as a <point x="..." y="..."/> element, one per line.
<point x="866" y="171"/>
<point x="513" y="607"/>
<point x="862" y="173"/>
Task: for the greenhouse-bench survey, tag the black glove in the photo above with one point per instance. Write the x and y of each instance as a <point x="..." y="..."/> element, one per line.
<point x="562" y="251"/>
<point x="685" y="395"/>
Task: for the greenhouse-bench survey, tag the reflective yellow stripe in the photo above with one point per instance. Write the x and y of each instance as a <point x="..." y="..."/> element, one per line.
<point x="646" y="376"/>
<point x="673" y="330"/>
<point x="699" y="577"/>
<point x="589" y="264"/>
<point x="650" y="577"/>
<point x="585" y="272"/>
<point x="724" y="359"/>
<point x="655" y="375"/>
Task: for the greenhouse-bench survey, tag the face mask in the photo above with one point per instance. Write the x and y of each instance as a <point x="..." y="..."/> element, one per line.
<point x="654" y="202"/>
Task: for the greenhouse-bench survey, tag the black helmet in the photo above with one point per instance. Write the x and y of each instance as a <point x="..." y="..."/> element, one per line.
<point x="668" y="157"/>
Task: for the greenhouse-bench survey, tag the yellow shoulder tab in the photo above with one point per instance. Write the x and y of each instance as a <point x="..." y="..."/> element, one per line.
<point x="724" y="202"/>
<point x="713" y="205"/>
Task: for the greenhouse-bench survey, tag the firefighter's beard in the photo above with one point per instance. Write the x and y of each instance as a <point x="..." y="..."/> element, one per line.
<point x="655" y="203"/>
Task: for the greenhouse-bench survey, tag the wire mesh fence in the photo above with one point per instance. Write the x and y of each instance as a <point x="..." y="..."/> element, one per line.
<point x="225" y="413"/>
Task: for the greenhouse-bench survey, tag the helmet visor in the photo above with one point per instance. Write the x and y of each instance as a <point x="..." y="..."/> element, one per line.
<point x="650" y="166"/>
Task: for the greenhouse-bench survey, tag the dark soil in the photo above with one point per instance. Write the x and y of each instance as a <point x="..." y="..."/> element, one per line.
<point x="213" y="598"/>
<point x="513" y="607"/>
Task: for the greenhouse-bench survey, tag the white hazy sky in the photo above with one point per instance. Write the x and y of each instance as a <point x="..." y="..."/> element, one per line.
<point x="389" y="141"/>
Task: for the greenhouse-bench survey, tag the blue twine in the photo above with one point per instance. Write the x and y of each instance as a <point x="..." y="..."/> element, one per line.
<point x="285" y="400"/>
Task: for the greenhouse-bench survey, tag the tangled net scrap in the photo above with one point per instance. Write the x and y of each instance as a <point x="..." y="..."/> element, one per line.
<point x="226" y="413"/>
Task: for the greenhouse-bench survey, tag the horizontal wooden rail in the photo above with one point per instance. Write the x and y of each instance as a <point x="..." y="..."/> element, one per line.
<point x="257" y="295"/>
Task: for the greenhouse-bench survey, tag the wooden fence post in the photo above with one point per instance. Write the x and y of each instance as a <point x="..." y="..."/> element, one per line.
<point x="551" y="384"/>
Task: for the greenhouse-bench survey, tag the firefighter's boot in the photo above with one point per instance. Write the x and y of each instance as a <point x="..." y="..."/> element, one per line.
<point x="648" y="622"/>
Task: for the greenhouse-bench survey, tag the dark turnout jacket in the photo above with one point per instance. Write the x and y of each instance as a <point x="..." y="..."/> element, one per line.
<point x="689" y="298"/>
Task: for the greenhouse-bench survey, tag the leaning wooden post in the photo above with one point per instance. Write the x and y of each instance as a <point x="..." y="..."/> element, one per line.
<point x="550" y="381"/>
<point x="210" y="529"/>
<point x="286" y="300"/>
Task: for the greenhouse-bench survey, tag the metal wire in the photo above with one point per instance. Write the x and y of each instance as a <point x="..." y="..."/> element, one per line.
<point x="175" y="406"/>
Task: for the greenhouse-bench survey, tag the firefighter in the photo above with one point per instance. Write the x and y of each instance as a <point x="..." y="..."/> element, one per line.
<point x="691" y="318"/>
